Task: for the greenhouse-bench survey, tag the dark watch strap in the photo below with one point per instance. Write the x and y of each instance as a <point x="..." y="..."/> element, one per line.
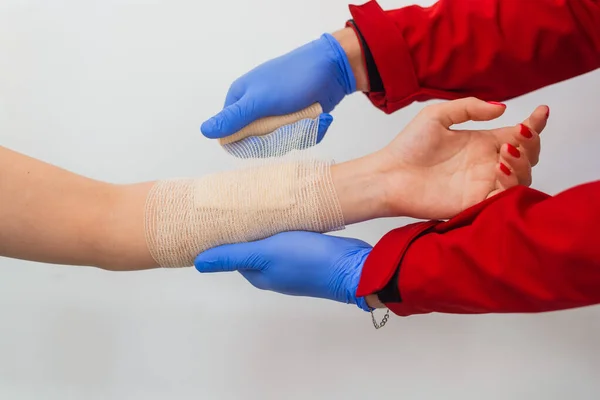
<point x="375" y="82"/>
<point x="391" y="293"/>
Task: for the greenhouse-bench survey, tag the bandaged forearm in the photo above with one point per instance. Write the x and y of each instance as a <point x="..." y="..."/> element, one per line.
<point x="187" y="216"/>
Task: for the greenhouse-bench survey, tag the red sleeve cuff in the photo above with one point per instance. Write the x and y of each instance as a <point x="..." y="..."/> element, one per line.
<point x="391" y="56"/>
<point x="389" y="252"/>
<point x="430" y="285"/>
<point x="393" y="59"/>
<point x="386" y="255"/>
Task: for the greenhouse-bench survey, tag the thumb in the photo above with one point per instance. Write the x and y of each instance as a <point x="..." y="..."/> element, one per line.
<point x="230" y="120"/>
<point x="467" y="109"/>
<point x="325" y="121"/>
<point x="230" y="257"/>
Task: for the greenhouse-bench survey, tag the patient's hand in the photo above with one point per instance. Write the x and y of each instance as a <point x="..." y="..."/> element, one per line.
<point x="436" y="172"/>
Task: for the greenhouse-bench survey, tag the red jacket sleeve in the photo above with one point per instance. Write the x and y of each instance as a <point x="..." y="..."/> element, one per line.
<point x="490" y="49"/>
<point x="520" y="251"/>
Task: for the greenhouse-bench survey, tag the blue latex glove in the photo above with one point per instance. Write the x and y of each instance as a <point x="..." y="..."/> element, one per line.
<point x="295" y="263"/>
<point x="316" y="72"/>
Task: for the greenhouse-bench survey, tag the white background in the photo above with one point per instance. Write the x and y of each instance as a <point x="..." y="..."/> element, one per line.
<point x="117" y="90"/>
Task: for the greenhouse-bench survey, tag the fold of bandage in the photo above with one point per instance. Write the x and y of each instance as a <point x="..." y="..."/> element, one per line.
<point x="267" y="125"/>
<point x="286" y="190"/>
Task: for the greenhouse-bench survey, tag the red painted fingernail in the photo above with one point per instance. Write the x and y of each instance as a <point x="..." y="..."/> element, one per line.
<point x="526" y="132"/>
<point x="548" y="113"/>
<point x="513" y="151"/>
<point x="505" y="169"/>
<point x="497" y="104"/>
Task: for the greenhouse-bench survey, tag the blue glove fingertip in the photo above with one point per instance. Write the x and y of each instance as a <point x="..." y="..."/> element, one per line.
<point x="208" y="261"/>
<point x="202" y="265"/>
<point x="325" y="121"/>
<point x="210" y="128"/>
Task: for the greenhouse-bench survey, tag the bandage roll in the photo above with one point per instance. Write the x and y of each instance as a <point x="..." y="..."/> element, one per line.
<point x="265" y="126"/>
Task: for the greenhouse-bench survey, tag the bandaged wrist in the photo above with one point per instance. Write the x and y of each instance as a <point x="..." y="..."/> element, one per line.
<point x="187" y="216"/>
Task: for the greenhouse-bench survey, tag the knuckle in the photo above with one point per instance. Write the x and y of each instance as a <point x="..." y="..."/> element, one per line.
<point x="235" y="110"/>
<point x="237" y="87"/>
<point x="526" y="178"/>
<point x="429" y="111"/>
<point x="260" y="284"/>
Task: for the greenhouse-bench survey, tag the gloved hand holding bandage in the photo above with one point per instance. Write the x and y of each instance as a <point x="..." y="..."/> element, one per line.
<point x="318" y="72"/>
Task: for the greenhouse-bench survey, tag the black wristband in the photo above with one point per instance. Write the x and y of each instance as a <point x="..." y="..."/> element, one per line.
<point x="390" y="293"/>
<point x="375" y="82"/>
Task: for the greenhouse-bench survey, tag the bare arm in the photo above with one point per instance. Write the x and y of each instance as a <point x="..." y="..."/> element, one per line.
<point x="52" y="215"/>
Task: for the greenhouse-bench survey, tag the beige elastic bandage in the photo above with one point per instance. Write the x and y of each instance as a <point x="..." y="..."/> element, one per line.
<point x="280" y="189"/>
<point x="268" y="125"/>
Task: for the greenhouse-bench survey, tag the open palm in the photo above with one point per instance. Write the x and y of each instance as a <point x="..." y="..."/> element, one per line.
<point x="447" y="171"/>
